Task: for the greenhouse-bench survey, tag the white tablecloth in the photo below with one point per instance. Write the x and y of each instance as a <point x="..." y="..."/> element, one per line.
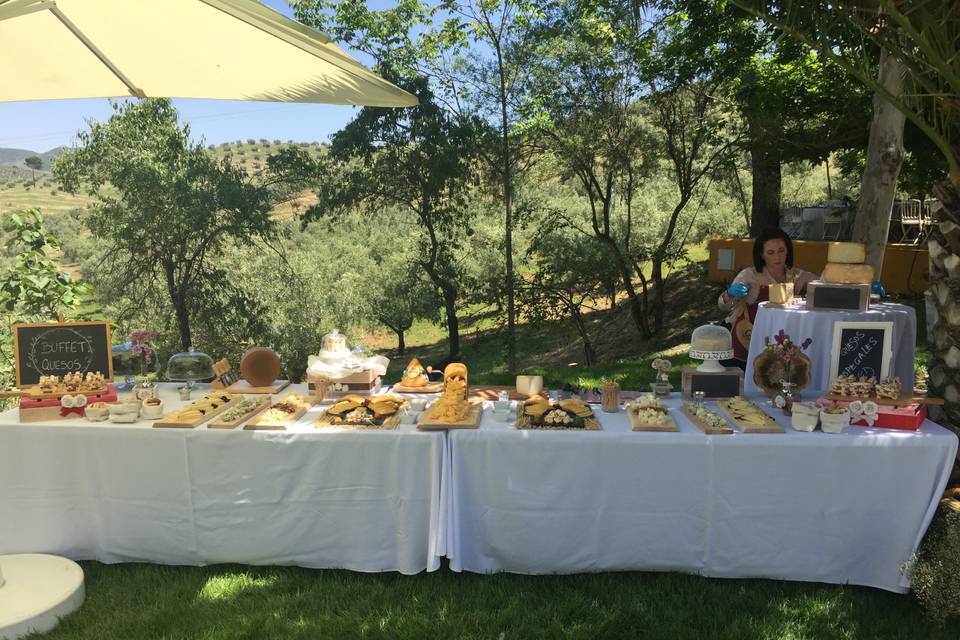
<point x="367" y="501"/>
<point x="846" y="508"/>
<point x="800" y="324"/>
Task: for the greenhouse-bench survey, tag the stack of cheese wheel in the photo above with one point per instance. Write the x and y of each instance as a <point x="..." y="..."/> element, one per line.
<point x="845" y="264"/>
<point x="781" y="293"/>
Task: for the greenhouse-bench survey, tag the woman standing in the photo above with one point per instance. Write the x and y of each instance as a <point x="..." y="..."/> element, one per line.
<point x="772" y="264"/>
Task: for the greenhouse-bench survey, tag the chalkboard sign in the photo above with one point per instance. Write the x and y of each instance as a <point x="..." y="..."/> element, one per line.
<point x="728" y="384"/>
<point x="826" y="297"/>
<point x="861" y="349"/>
<point x="60" y="348"/>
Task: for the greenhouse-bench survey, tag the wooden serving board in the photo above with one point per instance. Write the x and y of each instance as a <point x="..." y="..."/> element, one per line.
<point x="389" y="424"/>
<point x="749" y="427"/>
<point x="242" y="386"/>
<point x="904" y="400"/>
<point x="669" y="426"/>
<point x="258" y="424"/>
<point x="492" y="392"/>
<point x="589" y="424"/>
<point x="170" y="421"/>
<point x="262" y="406"/>
<point x="472" y="421"/>
<point x="710" y="431"/>
<point x="430" y="388"/>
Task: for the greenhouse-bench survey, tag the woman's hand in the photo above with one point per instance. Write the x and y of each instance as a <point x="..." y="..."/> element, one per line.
<point x="738" y="290"/>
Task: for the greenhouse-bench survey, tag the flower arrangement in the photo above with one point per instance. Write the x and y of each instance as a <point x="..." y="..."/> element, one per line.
<point x="141" y="345"/>
<point x="786" y="351"/>
<point x="662" y="366"/>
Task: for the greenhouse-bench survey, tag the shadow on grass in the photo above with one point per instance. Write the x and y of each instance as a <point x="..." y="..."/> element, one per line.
<point x="237" y="602"/>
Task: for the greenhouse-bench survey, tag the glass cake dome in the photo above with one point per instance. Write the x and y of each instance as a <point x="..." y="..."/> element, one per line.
<point x="190" y="366"/>
<point x="334" y="342"/>
<point x="711" y="343"/>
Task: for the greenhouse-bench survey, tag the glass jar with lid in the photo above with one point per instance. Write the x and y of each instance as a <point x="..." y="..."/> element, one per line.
<point x="190" y="366"/>
<point x="711" y="343"/>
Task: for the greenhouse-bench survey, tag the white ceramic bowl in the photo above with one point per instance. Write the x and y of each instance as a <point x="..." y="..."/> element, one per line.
<point x="151" y="411"/>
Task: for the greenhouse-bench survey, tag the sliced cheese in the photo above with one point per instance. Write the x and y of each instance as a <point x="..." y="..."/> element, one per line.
<point x="846" y="253"/>
<point x="781" y="293"/>
<point x="848" y="273"/>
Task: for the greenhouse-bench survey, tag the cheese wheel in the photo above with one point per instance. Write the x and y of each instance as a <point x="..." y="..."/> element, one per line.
<point x="781" y="293"/>
<point x="846" y="253"/>
<point x="848" y="273"/>
<point x="260" y="366"/>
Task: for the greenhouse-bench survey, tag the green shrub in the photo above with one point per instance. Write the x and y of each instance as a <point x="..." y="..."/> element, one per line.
<point x="936" y="576"/>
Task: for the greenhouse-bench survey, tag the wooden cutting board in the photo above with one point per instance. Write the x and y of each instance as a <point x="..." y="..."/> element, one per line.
<point x="259" y="424"/>
<point x="262" y="406"/>
<point x="669" y="426"/>
<point x="725" y="430"/>
<point x="749" y="427"/>
<point x="170" y="420"/>
<point x="472" y="421"/>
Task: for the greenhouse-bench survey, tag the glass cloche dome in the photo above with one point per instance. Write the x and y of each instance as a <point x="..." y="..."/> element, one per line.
<point x="711" y="343"/>
<point x="334" y="342"/>
<point x="189" y="367"/>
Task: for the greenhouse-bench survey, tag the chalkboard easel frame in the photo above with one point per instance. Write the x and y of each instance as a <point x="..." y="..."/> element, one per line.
<point x="840" y="325"/>
<point x="29" y="325"/>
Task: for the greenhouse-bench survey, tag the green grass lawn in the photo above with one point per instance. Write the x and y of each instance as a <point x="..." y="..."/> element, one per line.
<point x="234" y="602"/>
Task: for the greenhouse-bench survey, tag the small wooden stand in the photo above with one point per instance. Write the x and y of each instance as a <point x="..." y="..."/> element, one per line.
<point x="827" y="296"/>
<point x="242" y="386"/>
<point x="726" y="384"/>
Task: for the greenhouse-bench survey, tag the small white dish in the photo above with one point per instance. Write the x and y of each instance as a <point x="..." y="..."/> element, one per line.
<point x="151" y="411"/>
<point x="418" y="404"/>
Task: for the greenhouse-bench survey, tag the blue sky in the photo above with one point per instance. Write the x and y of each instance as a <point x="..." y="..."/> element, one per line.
<point x="43" y="125"/>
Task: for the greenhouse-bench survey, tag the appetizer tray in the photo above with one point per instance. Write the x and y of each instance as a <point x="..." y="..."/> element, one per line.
<point x="365" y="414"/>
<point x="540" y="413"/>
<point x="280" y="415"/>
<point x="748" y="417"/>
<point x="256" y="407"/>
<point x="707" y="429"/>
<point x="669" y="425"/>
<point x="198" y="411"/>
<point x="472" y="421"/>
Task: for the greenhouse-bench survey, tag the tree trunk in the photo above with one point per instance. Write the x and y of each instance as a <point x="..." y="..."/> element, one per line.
<point x="767" y="182"/>
<point x="179" y="307"/>
<point x="453" y="323"/>
<point x="944" y="364"/>
<point x="637" y="312"/>
<point x="589" y="353"/>
<point x="401" y="345"/>
<point x="884" y="157"/>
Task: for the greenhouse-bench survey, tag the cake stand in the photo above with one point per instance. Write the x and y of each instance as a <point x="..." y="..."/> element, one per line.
<point x="711" y="360"/>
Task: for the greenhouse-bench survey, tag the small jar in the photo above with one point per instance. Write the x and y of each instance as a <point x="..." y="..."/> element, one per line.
<point x="610" y="397"/>
<point x="785" y="398"/>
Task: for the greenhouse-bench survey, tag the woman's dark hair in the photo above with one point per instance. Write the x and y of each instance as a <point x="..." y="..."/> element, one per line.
<point x="771" y="233"/>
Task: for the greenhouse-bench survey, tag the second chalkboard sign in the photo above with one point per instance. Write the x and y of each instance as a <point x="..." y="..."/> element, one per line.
<point x="60" y="348"/>
<point x="861" y="349"/>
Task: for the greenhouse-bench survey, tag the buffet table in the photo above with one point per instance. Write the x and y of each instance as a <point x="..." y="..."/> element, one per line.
<point x="800" y="323"/>
<point x="331" y="498"/>
<point x="845" y="508"/>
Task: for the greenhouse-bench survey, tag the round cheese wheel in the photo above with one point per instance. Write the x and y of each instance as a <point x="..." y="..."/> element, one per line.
<point x="260" y="366"/>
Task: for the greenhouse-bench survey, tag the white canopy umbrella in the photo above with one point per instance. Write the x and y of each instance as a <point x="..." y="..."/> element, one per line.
<point x="218" y="49"/>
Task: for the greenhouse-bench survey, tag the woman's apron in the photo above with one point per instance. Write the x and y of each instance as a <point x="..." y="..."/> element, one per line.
<point x="743" y="325"/>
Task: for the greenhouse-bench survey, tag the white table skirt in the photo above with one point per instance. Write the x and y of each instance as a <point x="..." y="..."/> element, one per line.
<point x="846" y="508"/>
<point x="800" y="324"/>
<point x="323" y="498"/>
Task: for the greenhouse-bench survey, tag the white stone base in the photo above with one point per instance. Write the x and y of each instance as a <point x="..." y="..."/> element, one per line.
<point x="39" y="590"/>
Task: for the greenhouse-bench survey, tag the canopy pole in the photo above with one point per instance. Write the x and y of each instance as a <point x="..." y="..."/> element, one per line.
<point x="134" y="91"/>
<point x="17" y="8"/>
